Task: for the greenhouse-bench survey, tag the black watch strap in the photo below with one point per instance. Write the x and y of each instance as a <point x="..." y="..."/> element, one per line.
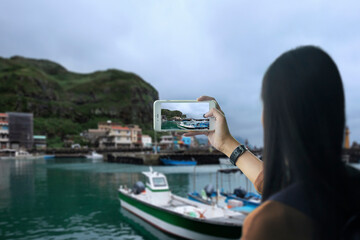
<point x="239" y="150"/>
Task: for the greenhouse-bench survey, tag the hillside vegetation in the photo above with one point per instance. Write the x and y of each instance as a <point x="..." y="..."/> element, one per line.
<point x="65" y="103"/>
<point x="172" y="113"/>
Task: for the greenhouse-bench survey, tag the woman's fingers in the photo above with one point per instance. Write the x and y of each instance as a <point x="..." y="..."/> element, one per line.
<point x="215" y="113"/>
<point x="205" y="98"/>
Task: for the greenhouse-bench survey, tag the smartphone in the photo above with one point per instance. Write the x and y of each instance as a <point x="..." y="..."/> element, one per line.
<point x="182" y="115"/>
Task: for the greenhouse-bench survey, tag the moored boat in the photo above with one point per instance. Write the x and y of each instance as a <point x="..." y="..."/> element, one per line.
<point x="239" y="200"/>
<point x="194" y="124"/>
<point x="226" y="162"/>
<point x="155" y="204"/>
<point x="94" y="155"/>
<point x="47" y="157"/>
<point x="187" y="125"/>
<point x="17" y="154"/>
<point x="171" y="162"/>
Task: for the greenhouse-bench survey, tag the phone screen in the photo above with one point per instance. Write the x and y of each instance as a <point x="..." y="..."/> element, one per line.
<point x="184" y="116"/>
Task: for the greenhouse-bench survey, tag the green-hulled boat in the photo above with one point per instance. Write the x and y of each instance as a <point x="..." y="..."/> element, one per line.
<point x="179" y="216"/>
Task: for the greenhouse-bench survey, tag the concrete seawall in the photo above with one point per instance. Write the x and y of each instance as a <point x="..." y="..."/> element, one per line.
<point x="154" y="158"/>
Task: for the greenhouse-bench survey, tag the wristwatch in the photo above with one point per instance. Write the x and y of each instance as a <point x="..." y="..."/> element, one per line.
<point x="239" y="150"/>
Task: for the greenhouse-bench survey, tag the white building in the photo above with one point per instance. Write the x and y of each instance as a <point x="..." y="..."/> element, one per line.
<point x="146" y="141"/>
<point x="121" y="136"/>
<point x="168" y="139"/>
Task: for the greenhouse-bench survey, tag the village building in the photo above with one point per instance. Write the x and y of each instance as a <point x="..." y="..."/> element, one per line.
<point x="115" y="135"/>
<point x="121" y="136"/>
<point x="136" y="135"/>
<point x="39" y="142"/>
<point x="4" y="131"/>
<point x="94" y="135"/>
<point x="20" y="130"/>
<point x="146" y="141"/>
<point x="107" y="126"/>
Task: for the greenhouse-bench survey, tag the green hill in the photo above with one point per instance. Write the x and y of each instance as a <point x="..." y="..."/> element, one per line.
<point x="172" y="113"/>
<point x="66" y="103"/>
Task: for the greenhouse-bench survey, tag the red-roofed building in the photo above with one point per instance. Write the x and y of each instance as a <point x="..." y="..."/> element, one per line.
<point x="119" y="128"/>
<point x="108" y="125"/>
<point x="136" y="135"/>
<point x="115" y="135"/>
<point x="121" y="136"/>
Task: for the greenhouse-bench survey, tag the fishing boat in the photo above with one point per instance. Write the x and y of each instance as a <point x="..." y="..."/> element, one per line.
<point x="94" y="155"/>
<point x="225" y="162"/>
<point x="47" y="157"/>
<point x="240" y="200"/>
<point x="155" y="204"/>
<point x="248" y="198"/>
<point x="194" y="124"/>
<point x="17" y="154"/>
<point x="171" y="162"/>
<point x="187" y="125"/>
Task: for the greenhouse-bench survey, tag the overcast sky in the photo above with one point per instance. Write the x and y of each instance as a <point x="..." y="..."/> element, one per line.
<point x="186" y="49"/>
<point x="191" y="110"/>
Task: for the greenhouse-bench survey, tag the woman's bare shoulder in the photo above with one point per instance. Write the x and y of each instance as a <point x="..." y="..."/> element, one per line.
<point x="274" y="220"/>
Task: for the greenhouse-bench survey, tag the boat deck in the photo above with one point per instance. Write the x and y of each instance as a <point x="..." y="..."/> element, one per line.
<point x="231" y="219"/>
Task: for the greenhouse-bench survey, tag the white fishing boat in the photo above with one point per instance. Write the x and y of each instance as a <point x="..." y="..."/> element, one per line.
<point x="188" y="124"/>
<point x="17" y="154"/>
<point x="194" y="124"/>
<point x="94" y="155"/>
<point x="225" y="162"/>
<point x="155" y="204"/>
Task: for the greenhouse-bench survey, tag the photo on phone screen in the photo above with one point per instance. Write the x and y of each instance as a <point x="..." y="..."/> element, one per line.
<point x="184" y="116"/>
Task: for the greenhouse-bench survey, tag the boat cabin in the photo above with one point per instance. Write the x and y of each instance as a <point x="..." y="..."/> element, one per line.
<point x="157" y="188"/>
<point x="155" y="181"/>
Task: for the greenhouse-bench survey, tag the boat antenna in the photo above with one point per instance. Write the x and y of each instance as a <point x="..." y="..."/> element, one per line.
<point x="217" y="188"/>
<point x="150" y="169"/>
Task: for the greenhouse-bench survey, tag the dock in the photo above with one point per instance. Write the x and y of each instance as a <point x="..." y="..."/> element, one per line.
<point x="146" y="156"/>
<point x="154" y="158"/>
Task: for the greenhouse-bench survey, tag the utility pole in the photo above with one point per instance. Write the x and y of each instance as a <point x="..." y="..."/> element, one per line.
<point x="155" y="141"/>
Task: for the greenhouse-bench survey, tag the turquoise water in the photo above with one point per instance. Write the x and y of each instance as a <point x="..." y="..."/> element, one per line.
<point x="77" y="198"/>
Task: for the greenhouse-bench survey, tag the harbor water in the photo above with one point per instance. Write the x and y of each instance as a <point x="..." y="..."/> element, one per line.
<point x="77" y="198"/>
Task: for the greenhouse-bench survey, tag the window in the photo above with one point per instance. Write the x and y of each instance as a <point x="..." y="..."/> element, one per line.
<point x="159" y="182"/>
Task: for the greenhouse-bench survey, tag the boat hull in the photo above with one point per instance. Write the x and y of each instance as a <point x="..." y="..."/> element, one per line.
<point x="178" y="224"/>
<point x="245" y="201"/>
<point x="178" y="163"/>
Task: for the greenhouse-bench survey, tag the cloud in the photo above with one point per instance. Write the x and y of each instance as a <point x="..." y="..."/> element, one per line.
<point x="189" y="48"/>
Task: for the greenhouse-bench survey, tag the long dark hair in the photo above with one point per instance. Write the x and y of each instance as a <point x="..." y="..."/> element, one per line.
<point x="304" y="118"/>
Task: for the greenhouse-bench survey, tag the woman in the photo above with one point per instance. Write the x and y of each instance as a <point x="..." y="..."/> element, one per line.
<point x="304" y="184"/>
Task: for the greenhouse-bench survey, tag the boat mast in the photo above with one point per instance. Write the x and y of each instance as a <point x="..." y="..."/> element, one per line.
<point x="194" y="180"/>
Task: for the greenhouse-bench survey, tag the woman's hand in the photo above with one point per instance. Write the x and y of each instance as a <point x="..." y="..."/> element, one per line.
<point x="220" y="138"/>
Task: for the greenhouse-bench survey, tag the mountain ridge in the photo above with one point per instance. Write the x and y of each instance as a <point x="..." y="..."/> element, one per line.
<point x="80" y="100"/>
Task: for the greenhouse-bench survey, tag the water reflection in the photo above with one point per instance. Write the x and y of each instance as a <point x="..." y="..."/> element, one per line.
<point x="76" y="198"/>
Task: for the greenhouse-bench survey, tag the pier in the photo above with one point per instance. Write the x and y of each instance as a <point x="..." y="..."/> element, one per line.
<point x="141" y="156"/>
<point x="154" y="158"/>
<point x="147" y="157"/>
